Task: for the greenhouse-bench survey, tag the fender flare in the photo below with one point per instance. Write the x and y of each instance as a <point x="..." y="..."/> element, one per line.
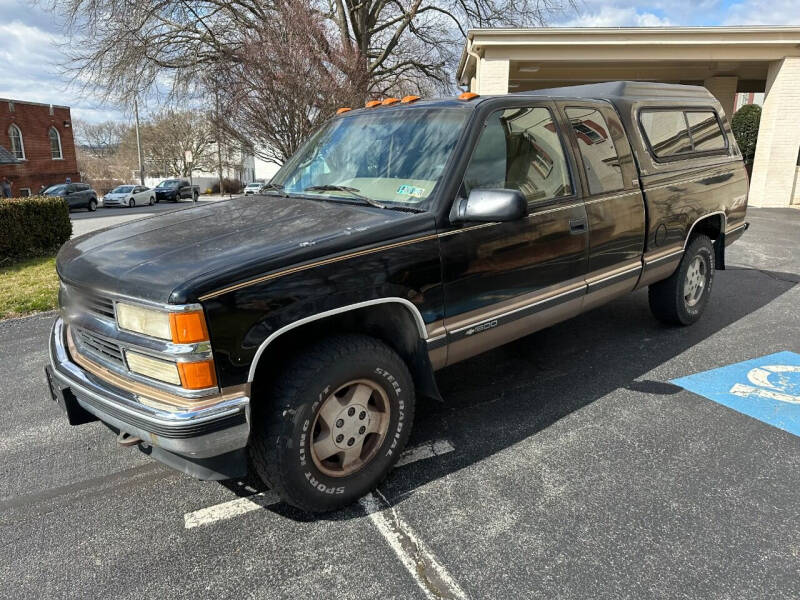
<point x="408" y="305"/>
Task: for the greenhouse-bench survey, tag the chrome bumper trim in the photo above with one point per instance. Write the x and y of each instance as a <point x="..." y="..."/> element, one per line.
<point x="201" y="433"/>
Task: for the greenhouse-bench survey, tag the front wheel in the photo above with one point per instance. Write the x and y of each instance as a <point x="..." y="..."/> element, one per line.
<point x="131" y="203"/>
<point x="681" y="298"/>
<point x="334" y="423"/>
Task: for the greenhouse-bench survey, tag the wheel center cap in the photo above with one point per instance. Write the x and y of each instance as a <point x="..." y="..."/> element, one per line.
<point x="351" y="425"/>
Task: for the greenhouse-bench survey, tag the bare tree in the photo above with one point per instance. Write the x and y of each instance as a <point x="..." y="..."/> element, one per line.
<point x="354" y="48"/>
<point x="169" y="135"/>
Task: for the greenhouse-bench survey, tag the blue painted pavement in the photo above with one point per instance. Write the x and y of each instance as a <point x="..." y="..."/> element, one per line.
<point x="766" y="388"/>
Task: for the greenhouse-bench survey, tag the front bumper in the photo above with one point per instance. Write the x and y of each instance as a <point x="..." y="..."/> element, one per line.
<point x="200" y="436"/>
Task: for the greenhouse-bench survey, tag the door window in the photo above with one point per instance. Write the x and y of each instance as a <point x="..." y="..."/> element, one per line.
<point x="520" y="149"/>
<point x="600" y="159"/>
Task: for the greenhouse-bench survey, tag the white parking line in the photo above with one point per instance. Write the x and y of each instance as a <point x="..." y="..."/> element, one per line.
<point x="423" y="451"/>
<point x="427" y="572"/>
<point x="228" y="510"/>
<point x="241" y="506"/>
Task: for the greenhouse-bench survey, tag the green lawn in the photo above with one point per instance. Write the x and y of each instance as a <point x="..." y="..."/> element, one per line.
<point x="28" y="286"/>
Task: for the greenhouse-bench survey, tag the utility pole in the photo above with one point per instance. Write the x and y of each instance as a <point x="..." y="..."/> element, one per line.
<point x="138" y="141"/>
<point x="219" y="144"/>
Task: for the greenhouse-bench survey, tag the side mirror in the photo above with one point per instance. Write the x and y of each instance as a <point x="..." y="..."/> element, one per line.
<point x="489" y="206"/>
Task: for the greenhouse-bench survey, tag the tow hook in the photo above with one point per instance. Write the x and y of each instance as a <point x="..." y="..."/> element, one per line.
<point x="126" y="439"/>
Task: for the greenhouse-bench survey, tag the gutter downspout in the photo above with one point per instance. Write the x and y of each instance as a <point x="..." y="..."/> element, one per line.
<point x="477" y="58"/>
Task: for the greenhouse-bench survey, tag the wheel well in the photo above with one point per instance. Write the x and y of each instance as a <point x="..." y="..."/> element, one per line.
<point x="390" y="322"/>
<point x="713" y="227"/>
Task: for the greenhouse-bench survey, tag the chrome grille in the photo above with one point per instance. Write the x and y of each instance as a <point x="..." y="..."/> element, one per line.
<point x="88" y="301"/>
<point x="100" y="347"/>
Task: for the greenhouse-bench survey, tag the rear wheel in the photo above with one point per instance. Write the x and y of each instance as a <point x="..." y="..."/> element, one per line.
<point x="334" y="423"/>
<point x="681" y="298"/>
<point x="152" y="200"/>
<point x="92" y="205"/>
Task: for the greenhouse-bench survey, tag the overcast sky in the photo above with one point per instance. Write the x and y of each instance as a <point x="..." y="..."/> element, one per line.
<point x="31" y="57"/>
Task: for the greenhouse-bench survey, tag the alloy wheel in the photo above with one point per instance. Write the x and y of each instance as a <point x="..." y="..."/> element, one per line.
<point x="350" y="427"/>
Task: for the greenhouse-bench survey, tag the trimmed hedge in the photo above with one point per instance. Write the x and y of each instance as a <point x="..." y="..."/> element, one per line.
<point x="33" y="226"/>
<point x="745" y="124"/>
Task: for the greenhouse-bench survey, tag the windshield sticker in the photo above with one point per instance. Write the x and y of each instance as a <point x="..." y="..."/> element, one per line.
<point x="410" y="190"/>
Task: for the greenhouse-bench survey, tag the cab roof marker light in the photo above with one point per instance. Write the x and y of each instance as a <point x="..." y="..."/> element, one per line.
<point x="344" y="109"/>
<point x="467" y="96"/>
<point x="389" y="101"/>
<point x="372" y="103"/>
<point x="409" y="99"/>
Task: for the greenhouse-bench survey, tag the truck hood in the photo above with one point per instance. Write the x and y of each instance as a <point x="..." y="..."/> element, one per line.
<point x="176" y="257"/>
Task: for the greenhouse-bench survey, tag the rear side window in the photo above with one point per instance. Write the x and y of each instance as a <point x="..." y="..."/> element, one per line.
<point x="600" y="159"/>
<point x="705" y="131"/>
<point x="520" y="149"/>
<point x="667" y="132"/>
<point x="671" y="133"/>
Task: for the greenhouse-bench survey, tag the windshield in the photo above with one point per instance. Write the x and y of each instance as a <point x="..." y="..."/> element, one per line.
<point x="55" y="190"/>
<point x="123" y="189"/>
<point x="393" y="156"/>
<point x="168" y="183"/>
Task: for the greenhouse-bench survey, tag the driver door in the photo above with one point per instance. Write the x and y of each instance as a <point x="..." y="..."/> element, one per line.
<point x="505" y="280"/>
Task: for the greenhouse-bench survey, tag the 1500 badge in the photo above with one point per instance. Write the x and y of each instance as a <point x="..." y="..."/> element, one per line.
<point x="481" y="327"/>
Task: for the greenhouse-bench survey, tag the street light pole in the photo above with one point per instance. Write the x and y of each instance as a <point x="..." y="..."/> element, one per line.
<point x="138" y="140"/>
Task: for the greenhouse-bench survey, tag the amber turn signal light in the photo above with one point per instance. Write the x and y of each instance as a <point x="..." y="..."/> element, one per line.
<point x="197" y="375"/>
<point x="468" y="96"/>
<point x="188" y="327"/>
<point x="408" y="99"/>
<point x="372" y="103"/>
<point x="344" y="109"/>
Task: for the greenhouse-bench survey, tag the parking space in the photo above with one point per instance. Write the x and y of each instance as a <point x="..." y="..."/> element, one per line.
<point x="574" y="463"/>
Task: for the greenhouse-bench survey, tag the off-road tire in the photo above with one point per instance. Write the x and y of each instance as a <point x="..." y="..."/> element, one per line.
<point x="284" y="417"/>
<point x="668" y="301"/>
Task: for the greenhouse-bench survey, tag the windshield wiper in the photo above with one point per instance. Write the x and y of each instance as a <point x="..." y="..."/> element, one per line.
<point x="273" y="187"/>
<point x="343" y="188"/>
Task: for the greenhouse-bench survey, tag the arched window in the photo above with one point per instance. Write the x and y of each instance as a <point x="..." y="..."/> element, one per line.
<point x="55" y="144"/>
<point x="17" y="146"/>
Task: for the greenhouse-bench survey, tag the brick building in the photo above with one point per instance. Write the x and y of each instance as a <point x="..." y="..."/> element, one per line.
<point x="38" y="143"/>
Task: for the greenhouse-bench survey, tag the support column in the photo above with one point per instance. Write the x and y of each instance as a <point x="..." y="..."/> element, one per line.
<point x="778" y="144"/>
<point x="724" y="90"/>
<point x="493" y="76"/>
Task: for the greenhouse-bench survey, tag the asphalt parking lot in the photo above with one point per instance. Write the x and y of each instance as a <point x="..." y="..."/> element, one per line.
<point x="84" y="221"/>
<point x="564" y="465"/>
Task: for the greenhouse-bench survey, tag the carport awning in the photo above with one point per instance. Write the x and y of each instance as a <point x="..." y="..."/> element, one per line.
<point x="6" y="158"/>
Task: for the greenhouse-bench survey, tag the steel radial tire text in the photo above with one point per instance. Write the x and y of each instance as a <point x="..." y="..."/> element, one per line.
<point x="334" y="422"/>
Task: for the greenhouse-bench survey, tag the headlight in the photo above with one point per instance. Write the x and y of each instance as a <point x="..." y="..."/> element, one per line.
<point x="186" y="327"/>
<point x="152" y="367"/>
<point x="146" y="321"/>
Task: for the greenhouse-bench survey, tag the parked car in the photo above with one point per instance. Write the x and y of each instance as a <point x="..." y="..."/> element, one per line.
<point x="130" y="196"/>
<point x="173" y="190"/>
<point x="77" y="195"/>
<point x="252" y="188"/>
<point x="298" y="333"/>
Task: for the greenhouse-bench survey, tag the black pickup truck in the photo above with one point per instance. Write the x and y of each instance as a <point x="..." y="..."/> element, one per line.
<point x="294" y="331"/>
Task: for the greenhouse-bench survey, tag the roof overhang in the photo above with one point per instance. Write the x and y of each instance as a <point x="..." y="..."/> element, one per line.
<point x="629" y="43"/>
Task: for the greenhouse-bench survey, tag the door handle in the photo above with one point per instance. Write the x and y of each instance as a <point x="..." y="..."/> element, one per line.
<point x="577" y="226"/>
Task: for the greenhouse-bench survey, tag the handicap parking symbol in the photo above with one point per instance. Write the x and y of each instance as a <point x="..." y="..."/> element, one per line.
<point x="766" y="388"/>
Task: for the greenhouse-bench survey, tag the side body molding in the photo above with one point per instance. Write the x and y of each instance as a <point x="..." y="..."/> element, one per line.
<point x="421" y="329"/>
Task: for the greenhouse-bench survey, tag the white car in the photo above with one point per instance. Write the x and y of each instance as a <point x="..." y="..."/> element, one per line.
<point x="130" y="196"/>
<point x="252" y="188"/>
